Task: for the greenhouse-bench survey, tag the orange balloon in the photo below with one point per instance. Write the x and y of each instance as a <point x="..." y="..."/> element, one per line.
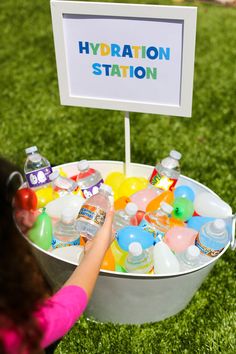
<point x="108" y="262"/>
<point x="166" y="196"/>
<point x="121" y="203"/>
<point x="176" y="222"/>
<point x="82" y="241"/>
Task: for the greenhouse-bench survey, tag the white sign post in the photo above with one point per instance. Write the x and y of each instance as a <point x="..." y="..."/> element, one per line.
<point x="133" y="58"/>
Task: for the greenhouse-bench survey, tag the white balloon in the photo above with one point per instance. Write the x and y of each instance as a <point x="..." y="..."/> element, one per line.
<point x="71" y="254"/>
<point x="165" y="262"/>
<point x="55" y="207"/>
<point x="207" y="204"/>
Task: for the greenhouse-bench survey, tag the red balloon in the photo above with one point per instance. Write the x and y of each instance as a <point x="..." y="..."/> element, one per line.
<point x="26" y="199"/>
<point x="195" y="213"/>
<point x="139" y="216"/>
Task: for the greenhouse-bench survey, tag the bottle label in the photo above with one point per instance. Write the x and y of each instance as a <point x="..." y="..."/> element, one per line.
<point x="92" y="213"/>
<point x="161" y="181"/>
<point x="58" y="244"/>
<point x="88" y="192"/>
<point x="206" y="250"/>
<point x="39" y="177"/>
<point x="149" y="228"/>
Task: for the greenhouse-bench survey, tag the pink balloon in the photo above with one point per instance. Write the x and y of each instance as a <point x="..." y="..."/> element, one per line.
<point x="180" y="238"/>
<point x="142" y="198"/>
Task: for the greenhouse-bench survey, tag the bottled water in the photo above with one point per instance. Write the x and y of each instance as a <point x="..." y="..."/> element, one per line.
<point x="212" y="238"/>
<point x="157" y="222"/>
<point x="93" y="212"/>
<point x="89" y="180"/>
<point x="125" y="217"/>
<point x="64" y="231"/>
<point x="62" y="185"/>
<point x="166" y="173"/>
<point x="190" y="258"/>
<point x="37" y="168"/>
<point x="138" y="260"/>
<point x="165" y="262"/>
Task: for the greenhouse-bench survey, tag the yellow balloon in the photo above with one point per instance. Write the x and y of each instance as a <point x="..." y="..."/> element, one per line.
<point x="44" y="196"/>
<point x="114" y="180"/>
<point x="119" y="254"/>
<point x="130" y="186"/>
<point x="62" y="172"/>
<point x="144" y="181"/>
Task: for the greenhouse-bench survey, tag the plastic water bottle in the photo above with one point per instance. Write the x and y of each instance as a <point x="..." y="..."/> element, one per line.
<point x="37" y="168"/>
<point x="212" y="238"/>
<point x="65" y="232"/>
<point x="190" y="258"/>
<point x="166" y="173"/>
<point x="62" y="185"/>
<point x="125" y="217"/>
<point x="165" y="262"/>
<point x="157" y="222"/>
<point x="93" y="212"/>
<point x="138" y="260"/>
<point x="89" y="180"/>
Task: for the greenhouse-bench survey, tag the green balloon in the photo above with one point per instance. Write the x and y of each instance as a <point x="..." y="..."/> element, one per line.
<point x="183" y="209"/>
<point x="41" y="232"/>
<point x="120" y="269"/>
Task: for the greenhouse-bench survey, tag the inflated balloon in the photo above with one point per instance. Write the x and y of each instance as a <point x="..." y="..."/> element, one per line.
<point x="142" y="198"/>
<point x="144" y="181"/>
<point x="108" y="262"/>
<point x="62" y="172"/>
<point x="130" y="234"/>
<point x="183" y="209"/>
<point x="180" y="238"/>
<point x="176" y="222"/>
<point x="120" y="269"/>
<point x="139" y="216"/>
<point x="119" y="254"/>
<point x="26" y="199"/>
<point x="25" y="219"/>
<point x="207" y="204"/>
<point x="45" y="195"/>
<point x="196" y="222"/>
<point x="184" y="192"/>
<point x="165" y="262"/>
<point x="41" y="232"/>
<point x="166" y="196"/>
<point x="55" y="208"/>
<point x="114" y="180"/>
<point x="130" y="186"/>
<point x="121" y="203"/>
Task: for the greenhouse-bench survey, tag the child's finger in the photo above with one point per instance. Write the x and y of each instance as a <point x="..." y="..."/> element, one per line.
<point x="108" y="221"/>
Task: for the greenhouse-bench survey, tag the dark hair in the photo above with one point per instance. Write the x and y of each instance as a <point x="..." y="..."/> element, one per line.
<point x="22" y="285"/>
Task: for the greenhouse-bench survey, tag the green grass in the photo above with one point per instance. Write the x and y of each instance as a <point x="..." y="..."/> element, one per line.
<point x="30" y="114"/>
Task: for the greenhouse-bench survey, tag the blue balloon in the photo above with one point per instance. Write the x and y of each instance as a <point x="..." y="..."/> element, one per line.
<point x="196" y="222"/>
<point x="130" y="234"/>
<point x="184" y="192"/>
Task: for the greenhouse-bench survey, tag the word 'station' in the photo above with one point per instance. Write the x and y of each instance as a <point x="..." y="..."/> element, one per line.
<point x="125" y="51"/>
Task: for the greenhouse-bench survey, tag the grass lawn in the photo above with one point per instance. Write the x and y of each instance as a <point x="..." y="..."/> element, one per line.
<point x="30" y="114"/>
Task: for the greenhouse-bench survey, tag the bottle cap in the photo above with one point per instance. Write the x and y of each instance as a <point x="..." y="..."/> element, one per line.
<point x="167" y="208"/>
<point x="106" y="188"/>
<point x="192" y="253"/>
<point x="83" y="165"/>
<point x="31" y="149"/>
<point x="53" y="175"/>
<point x="135" y="248"/>
<point x="218" y="225"/>
<point x="175" y="154"/>
<point x="131" y="209"/>
<point x="68" y="215"/>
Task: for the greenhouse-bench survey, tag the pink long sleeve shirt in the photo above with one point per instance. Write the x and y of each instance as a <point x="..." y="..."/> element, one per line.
<point x="56" y="317"/>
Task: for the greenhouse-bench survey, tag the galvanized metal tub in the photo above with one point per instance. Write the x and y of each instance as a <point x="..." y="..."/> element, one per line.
<point x="129" y="298"/>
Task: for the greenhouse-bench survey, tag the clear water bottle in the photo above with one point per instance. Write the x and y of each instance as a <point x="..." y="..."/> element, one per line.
<point x="65" y="232"/>
<point x="190" y="258"/>
<point x="37" y="169"/>
<point x="125" y="217"/>
<point x="157" y="222"/>
<point x="62" y="185"/>
<point x="138" y="260"/>
<point x="166" y="173"/>
<point x="89" y="180"/>
<point x="212" y="238"/>
<point x="93" y="212"/>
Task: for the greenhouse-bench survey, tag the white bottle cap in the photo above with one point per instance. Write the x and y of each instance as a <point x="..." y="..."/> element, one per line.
<point x="218" y="225"/>
<point x="167" y="208"/>
<point x="131" y="209"/>
<point x="31" y="149"/>
<point x="54" y="175"/>
<point x="68" y="215"/>
<point x="135" y="248"/>
<point x="106" y="188"/>
<point x="175" y="154"/>
<point x="83" y="165"/>
<point x="192" y="253"/>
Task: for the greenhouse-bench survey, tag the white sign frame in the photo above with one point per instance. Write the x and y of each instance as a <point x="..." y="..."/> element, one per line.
<point x="186" y="14"/>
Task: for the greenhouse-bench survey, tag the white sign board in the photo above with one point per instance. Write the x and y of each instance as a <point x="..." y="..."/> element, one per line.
<point x="128" y="57"/>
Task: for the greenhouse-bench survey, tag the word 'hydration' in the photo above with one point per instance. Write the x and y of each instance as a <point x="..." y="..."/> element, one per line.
<point x="125" y="51"/>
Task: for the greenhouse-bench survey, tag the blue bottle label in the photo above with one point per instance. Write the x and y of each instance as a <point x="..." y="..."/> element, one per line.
<point x="204" y="248"/>
<point x="58" y="244"/>
<point x="39" y="177"/>
<point x="88" y="192"/>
